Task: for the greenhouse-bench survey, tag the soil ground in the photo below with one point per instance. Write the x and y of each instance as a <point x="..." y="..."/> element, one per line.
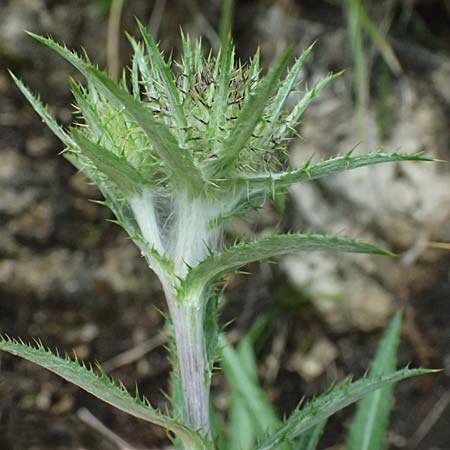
<point x="71" y="278"/>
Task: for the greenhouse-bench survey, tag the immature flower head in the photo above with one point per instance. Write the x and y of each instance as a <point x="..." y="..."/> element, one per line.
<point x="175" y="148"/>
<point x="178" y="148"/>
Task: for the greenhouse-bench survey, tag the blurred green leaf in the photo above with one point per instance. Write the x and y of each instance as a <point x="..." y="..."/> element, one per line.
<point x="369" y="427"/>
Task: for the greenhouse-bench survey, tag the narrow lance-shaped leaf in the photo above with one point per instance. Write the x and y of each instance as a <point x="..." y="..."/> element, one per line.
<point x="253" y="73"/>
<point x="117" y="169"/>
<point x="244" y="427"/>
<point x="322" y="169"/>
<point x="68" y="55"/>
<point x="90" y="114"/>
<point x="198" y="56"/>
<point x="241" y="425"/>
<point x="101" y="156"/>
<point x="39" y="107"/>
<point x="114" y="200"/>
<point x="244" y="253"/>
<point x="135" y="76"/>
<point x="167" y="82"/>
<point x="242" y="380"/>
<point x="225" y="66"/>
<point x="178" y="162"/>
<point x="293" y="118"/>
<point x="143" y="74"/>
<point x="369" y="427"/>
<point x="101" y="386"/>
<point x="187" y="61"/>
<point x="381" y="42"/>
<point x="325" y="405"/>
<point x="283" y="93"/>
<point x="251" y="114"/>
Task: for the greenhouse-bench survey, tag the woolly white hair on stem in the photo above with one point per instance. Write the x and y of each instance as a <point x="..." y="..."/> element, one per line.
<point x="192" y="236"/>
<point x="144" y="210"/>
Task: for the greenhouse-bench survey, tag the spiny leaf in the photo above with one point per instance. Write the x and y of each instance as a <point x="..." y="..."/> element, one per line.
<point x="244" y="253"/>
<point x="253" y="73"/>
<point x="68" y="55"/>
<point x="238" y="209"/>
<point x="283" y="93"/>
<point x="98" y="178"/>
<point x="324" y="168"/>
<point x="251" y="114"/>
<point x="339" y="397"/>
<point x="104" y="158"/>
<point x="178" y="162"/>
<point x="198" y="56"/>
<point x="156" y="258"/>
<point x="39" y="107"/>
<point x="101" y="386"/>
<point x="226" y="65"/>
<point x="141" y="67"/>
<point x="135" y="76"/>
<point x="90" y="114"/>
<point x="187" y="61"/>
<point x="117" y="169"/>
<point x="369" y="427"/>
<point x="165" y="75"/>
<point x="293" y="118"/>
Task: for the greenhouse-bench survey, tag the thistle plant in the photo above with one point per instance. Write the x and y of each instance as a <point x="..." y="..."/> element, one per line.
<point x="177" y="150"/>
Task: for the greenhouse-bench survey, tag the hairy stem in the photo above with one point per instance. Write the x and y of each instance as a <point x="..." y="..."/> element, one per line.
<point x="189" y="241"/>
<point x="192" y="359"/>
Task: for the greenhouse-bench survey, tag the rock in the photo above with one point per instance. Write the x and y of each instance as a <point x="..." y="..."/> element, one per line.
<point x="122" y="270"/>
<point x="39" y="146"/>
<point x="396" y="205"/>
<point x="58" y="273"/>
<point x="9" y="247"/>
<point x="15" y="169"/>
<point x="314" y="363"/>
<point x="345" y="297"/>
<point x="14" y="202"/>
<point x="18" y="15"/>
<point x="20" y="172"/>
<point x="398" y="198"/>
<point x="36" y="224"/>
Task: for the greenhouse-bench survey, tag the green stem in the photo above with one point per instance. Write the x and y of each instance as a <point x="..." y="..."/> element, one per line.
<point x="191" y="353"/>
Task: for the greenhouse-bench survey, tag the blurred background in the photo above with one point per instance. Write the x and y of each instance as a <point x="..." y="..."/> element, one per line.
<point x="72" y="279"/>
